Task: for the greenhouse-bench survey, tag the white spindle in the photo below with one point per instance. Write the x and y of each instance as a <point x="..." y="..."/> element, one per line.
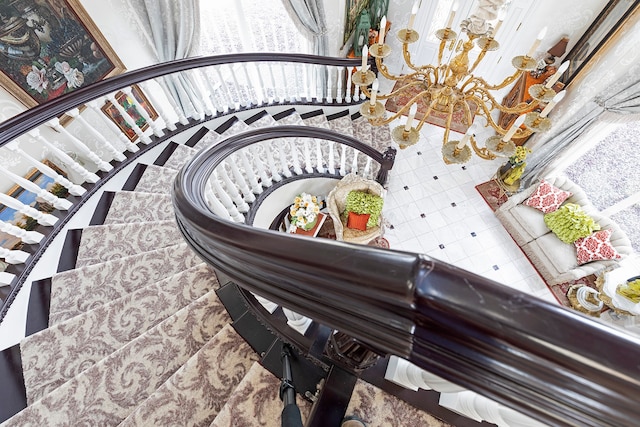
<point x="297" y="169"/>
<point x="268" y="305"/>
<point x="75" y="113"/>
<point x="214" y="202"/>
<point x="329" y="83"/>
<point x="84" y="150"/>
<point x="275" y="173"/>
<point x="308" y="166"/>
<point x="331" y="164"/>
<point x="339" y="81"/>
<point x="95" y="106"/>
<point x="265" y="180"/>
<point x="250" y="172"/>
<point x="182" y="118"/>
<point x="296" y="321"/>
<point x="241" y="182"/>
<point x="41" y="217"/>
<point x="285" y="86"/>
<point x="157" y="131"/>
<point x="127" y="118"/>
<point x="284" y="164"/>
<point x="186" y="101"/>
<point x="250" y="86"/>
<point x="28" y="237"/>
<point x="157" y="105"/>
<point x="52" y="199"/>
<point x="233" y="71"/>
<point x="13" y="257"/>
<point x="6" y="278"/>
<point x="74" y="189"/>
<point x="347" y="97"/>
<point x="200" y="92"/>
<point x="367" y="168"/>
<point x="319" y="156"/>
<point x="232" y="191"/>
<point x="356" y="93"/>
<point x="225" y="92"/>
<point x="343" y="160"/>
<point x="84" y="174"/>
<point x="354" y="162"/>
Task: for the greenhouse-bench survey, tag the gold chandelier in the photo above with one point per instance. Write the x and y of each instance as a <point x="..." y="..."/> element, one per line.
<point x="451" y="88"/>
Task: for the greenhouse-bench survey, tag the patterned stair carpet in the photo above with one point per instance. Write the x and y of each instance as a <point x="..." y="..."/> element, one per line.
<point x="137" y="335"/>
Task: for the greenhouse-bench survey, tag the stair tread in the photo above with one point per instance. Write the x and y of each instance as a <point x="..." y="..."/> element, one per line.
<point x="256" y="402"/>
<point x="196" y="393"/>
<point x="263" y="122"/>
<point x="319" y="121"/>
<point x="237" y="127"/>
<point x="342" y="125"/>
<point x="86" y="339"/>
<point x="380" y="409"/>
<point x="180" y="156"/>
<point x="110" y="390"/>
<point x="156" y="179"/>
<point x="291" y="119"/>
<point x="135" y="206"/>
<point x="76" y="291"/>
<point x="100" y="243"/>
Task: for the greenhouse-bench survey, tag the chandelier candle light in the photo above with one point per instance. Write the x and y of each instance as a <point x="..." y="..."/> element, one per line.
<point x="447" y="88"/>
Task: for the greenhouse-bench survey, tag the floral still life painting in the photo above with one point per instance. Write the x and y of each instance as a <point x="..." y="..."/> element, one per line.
<point x="49" y="48"/>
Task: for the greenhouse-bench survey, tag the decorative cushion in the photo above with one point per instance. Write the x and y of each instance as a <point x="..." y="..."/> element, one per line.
<point x="530" y="222"/>
<point x="547" y="198"/>
<point x="570" y="223"/>
<point x="362" y="202"/>
<point x="357" y="221"/>
<point x="596" y="247"/>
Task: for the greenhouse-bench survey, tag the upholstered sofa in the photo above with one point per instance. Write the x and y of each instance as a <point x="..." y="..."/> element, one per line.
<point x="555" y="260"/>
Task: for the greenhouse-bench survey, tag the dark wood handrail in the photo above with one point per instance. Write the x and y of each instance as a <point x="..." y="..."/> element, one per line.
<point x="540" y="359"/>
<point x="22" y="123"/>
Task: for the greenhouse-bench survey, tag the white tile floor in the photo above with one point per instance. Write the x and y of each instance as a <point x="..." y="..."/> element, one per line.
<point x="434" y="208"/>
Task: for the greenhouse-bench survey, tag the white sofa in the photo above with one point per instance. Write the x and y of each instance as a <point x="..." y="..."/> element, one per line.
<point x="555" y="260"/>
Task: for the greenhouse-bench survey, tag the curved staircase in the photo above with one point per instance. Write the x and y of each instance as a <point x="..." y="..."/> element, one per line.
<point x="138" y="333"/>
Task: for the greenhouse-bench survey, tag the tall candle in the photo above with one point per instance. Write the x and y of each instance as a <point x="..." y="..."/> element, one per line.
<point x="412" y="18"/>
<point x="383" y="28"/>
<point x="365" y="57"/>
<point x="514" y="127"/>
<point x="412" y="113"/>
<point x="553" y="103"/>
<point x="536" y="43"/>
<point x="374" y="93"/>
<point x="470" y="132"/>
<point x="452" y="14"/>
<point x="553" y="79"/>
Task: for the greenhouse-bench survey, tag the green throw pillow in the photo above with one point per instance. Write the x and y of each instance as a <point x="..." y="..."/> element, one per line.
<point x="570" y="223"/>
<point x="361" y="202"/>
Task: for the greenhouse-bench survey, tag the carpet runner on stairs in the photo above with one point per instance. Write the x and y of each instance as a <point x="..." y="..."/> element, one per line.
<point x="137" y="334"/>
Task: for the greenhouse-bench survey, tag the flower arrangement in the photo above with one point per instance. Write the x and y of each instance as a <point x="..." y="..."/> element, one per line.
<point x="361" y="202"/>
<point x="630" y="290"/>
<point x="304" y="212"/>
<point x="516" y="165"/>
<point x="519" y="156"/>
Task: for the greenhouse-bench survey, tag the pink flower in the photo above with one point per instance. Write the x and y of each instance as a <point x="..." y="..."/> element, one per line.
<point x="37" y="79"/>
<point x="74" y="77"/>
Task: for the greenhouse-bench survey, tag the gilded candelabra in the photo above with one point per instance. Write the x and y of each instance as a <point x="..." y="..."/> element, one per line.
<point x="450" y="87"/>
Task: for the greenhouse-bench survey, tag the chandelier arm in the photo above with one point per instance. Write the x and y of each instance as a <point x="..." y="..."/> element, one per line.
<point x="447" y="128"/>
<point x="481" y="152"/>
<point x="480" y="57"/>
<point x="385" y="71"/>
<point x="512" y="78"/>
<point x="403" y="88"/>
<point x="426" y="114"/>
<point x="467" y="111"/>
<point x="405" y="108"/>
<point x="520" y="133"/>
<point x="519" y="108"/>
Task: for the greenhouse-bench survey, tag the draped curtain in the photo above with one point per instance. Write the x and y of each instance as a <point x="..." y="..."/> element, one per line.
<point x="172" y="29"/>
<point x="309" y="14"/>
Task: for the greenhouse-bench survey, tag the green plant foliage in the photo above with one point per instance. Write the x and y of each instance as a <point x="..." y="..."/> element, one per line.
<point x="361" y="202"/>
<point x="570" y="223"/>
<point x="59" y="190"/>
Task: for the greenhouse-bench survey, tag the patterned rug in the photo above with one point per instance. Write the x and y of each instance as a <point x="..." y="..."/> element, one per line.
<point x="560" y="290"/>
<point x="435" y="118"/>
<point x="490" y="192"/>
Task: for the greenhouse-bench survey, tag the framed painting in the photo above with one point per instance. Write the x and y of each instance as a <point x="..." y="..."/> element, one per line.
<point x="49" y="48"/>
<point x="352" y="12"/>
<point x="130" y="107"/>
<point x="607" y="23"/>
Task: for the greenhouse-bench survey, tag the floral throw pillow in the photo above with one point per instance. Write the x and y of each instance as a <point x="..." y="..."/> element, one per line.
<point x="547" y="198"/>
<point x="595" y="247"/>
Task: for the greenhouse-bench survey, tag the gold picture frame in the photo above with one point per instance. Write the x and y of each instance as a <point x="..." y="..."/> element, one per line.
<point x="49" y="48"/>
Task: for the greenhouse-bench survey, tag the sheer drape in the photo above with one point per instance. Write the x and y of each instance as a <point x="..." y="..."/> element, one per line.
<point x="172" y="28"/>
<point x="621" y="106"/>
<point x="310" y="15"/>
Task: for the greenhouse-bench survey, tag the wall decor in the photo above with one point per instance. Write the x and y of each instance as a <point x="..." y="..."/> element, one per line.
<point x="351" y="14"/>
<point x="130" y="107"/>
<point x="610" y="19"/>
<point x="49" y="48"/>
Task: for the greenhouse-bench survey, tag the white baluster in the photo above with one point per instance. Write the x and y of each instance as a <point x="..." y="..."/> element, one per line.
<point x="176" y="108"/>
<point x="214" y="203"/>
<point x="367" y="168"/>
<point x="268" y="305"/>
<point x="259" y="68"/>
<point x="113" y="127"/>
<point x="462" y="403"/>
<point x="265" y="180"/>
<point x="224" y="90"/>
<point x="41" y="217"/>
<point x="308" y="167"/>
<point x="296" y="321"/>
<point x="275" y="173"/>
<point x="192" y="89"/>
<point x="75" y="113"/>
<point x="354" y="162"/>
<point x="347" y="97"/>
<point x="234" y="70"/>
<point x="157" y="131"/>
<point x="84" y="174"/>
<point x="285" y="86"/>
<point x="52" y="199"/>
<point x="102" y="165"/>
<point x="74" y="189"/>
<point x="340" y="81"/>
<point x="211" y="90"/>
<point x="184" y="99"/>
<point x="330" y="84"/>
<point x="331" y="164"/>
<point x="286" y="172"/>
<point x="127" y="118"/>
<point x="319" y="157"/>
<point x="28" y="237"/>
<point x="6" y="278"/>
<point x="489" y="410"/>
<point x="240" y="182"/>
<point x="273" y="83"/>
<point x="13" y="257"/>
<point x="159" y="107"/>
<point x="356" y="93"/>
<point x="232" y="191"/>
<point x="343" y="160"/>
<point x="294" y="155"/>
<point x="249" y="81"/>
<point x="250" y="173"/>
<point x="200" y="92"/>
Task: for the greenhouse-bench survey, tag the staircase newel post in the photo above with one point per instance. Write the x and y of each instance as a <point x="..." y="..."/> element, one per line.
<point x="291" y="413"/>
<point x="389" y="158"/>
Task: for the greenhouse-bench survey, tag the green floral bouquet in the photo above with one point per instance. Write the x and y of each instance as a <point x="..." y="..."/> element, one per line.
<point x="304" y="212"/>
